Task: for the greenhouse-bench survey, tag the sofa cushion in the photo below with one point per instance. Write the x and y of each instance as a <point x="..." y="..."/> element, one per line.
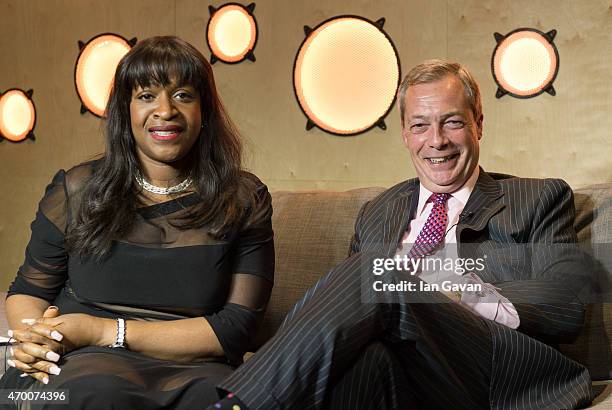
<point x="312" y="233"/>
<point x="594" y="213"/>
<point x="594" y="228"/>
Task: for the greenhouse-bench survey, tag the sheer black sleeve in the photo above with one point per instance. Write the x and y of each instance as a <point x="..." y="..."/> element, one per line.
<point x="236" y="324"/>
<point x="44" y="270"/>
<point x="254" y="244"/>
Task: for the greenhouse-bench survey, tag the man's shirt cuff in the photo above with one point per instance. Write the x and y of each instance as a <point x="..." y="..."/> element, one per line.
<point x="489" y="303"/>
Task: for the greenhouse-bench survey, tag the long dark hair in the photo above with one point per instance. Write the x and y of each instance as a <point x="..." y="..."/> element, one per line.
<point x="108" y="201"/>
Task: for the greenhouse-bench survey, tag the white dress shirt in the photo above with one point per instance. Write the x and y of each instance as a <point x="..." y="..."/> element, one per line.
<point x="489" y="303"/>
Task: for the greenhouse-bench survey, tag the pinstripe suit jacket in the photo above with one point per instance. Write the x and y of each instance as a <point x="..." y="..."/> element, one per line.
<point x="455" y="360"/>
<point x="525" y="229"/>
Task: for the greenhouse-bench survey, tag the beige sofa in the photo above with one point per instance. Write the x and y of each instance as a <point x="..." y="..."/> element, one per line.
<point x="313" y="231"/>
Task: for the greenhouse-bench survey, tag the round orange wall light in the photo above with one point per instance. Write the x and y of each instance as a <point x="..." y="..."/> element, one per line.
<point x="95" y="69"/>
<point x="346" y="74"/>
<point x="231" y="33"/>
<point x="17" y="115"/>
<point x="525" y="63"/>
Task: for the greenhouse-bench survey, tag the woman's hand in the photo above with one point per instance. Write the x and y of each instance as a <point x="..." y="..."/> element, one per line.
<point x="36" y="355"/>
<point x="75" y="329"/>
<point x="48" y="338"/>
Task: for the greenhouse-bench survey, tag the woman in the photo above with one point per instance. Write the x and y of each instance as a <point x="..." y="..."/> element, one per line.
<point x="149" y="269"/>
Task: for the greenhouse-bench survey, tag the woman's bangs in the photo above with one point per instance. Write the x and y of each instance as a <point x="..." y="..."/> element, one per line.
<point x="162" y="69"/>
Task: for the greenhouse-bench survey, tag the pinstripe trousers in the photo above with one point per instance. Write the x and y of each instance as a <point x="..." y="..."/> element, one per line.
<point x="450" y="357"/>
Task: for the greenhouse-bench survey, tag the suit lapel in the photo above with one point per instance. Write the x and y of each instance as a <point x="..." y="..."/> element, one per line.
<point x="398" y="214"/>
<point x="482" y="205"/>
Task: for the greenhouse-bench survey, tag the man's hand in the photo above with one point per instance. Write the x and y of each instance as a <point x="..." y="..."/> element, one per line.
<point x="454" y="296"/>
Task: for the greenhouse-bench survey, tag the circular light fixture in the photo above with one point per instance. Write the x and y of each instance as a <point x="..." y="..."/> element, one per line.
<point x="95" y="69"/>
<point x="17" y="115"/>
<point x="525" y="63"/>
<point x="346" y="74"/>
<point x="231" y="33"/>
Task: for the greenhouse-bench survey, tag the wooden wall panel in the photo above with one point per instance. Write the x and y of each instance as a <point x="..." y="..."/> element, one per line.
<point x="261" y="100"/>
<point x="565" y="136"/>
<point x="38" y="48"/>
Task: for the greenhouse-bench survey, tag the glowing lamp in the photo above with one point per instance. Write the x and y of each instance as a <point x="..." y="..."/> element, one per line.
<point x="95" y="69"/>
<point x="346" y="74"/>
<point x="17" y="115"/>
<point x="525" y="63"/>
<point x="231" y="33"/>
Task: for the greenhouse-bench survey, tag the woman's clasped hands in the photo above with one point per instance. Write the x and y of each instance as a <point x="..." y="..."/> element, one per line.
<point x="37" y="348"/>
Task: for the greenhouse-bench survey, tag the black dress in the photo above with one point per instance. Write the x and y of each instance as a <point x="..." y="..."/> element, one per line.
<point x="154" y="272"/>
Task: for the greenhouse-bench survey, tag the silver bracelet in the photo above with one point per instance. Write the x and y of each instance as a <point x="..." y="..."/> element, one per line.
<point x="120" y="340"/>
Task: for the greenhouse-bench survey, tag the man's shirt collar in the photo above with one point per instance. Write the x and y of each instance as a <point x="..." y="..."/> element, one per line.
<point x="462" y="194"/>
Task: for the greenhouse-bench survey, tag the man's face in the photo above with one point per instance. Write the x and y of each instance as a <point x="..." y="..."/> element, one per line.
<point x="441" y="134"/>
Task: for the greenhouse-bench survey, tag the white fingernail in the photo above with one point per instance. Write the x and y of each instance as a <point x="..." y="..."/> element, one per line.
<point x="10" y="363"/>
<point x="54" y="357"/>
<point x="45" y="380"/>
<point x="23" y="375"/>
<point x="55" y="370"/>
<point x="10" y="333"/>
<point x="55" y="335"/>
<point x="28" y="321"/>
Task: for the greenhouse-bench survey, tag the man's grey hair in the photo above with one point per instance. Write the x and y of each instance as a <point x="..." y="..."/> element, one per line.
<point x="434" y="70"/>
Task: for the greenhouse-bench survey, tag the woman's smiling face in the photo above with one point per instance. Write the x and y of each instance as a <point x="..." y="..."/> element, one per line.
<point x="166" y="122"/>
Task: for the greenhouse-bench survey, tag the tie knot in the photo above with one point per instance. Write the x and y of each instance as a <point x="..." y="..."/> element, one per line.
<point x="440" y="198"/>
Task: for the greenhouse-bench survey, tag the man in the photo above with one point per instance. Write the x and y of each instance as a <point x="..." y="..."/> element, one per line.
<point x="436" y="354"/>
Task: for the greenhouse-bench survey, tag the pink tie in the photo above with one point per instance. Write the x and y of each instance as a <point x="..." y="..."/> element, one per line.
<point x="433" y="233"/>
